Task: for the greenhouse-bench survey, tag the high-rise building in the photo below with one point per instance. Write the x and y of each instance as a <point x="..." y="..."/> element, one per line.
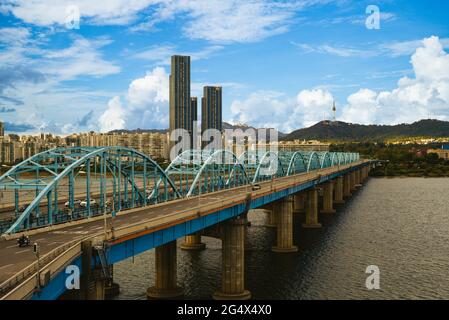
<point x="181" y="112"/>
<point x="194" y="106"/>
<point x="211" y="108"/>
<point x="2" y="129"/>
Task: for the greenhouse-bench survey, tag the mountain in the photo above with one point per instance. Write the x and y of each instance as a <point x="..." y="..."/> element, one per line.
<point x="244" y="126"/>
<point x="342" y="131"/>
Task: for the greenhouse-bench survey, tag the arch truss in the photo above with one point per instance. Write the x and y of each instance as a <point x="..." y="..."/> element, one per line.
<point x="65" y="184"/>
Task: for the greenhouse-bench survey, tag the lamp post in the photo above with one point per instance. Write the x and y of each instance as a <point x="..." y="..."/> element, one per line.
<point x="38" y="274"/>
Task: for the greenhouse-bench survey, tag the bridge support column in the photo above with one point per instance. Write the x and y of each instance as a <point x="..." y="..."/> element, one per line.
<point x="193" y="242"/>
<point x="338" y="199"/>
<point x="312" y="210"/>
<point x="284" y="215"/>
<point x="233" y="262"/>
<point x="111" y="289"/>
<point x="298" y="202"/>
<point x="358" y="178"/>
<point x="271" y="217"/>
<point x="328" y="203"/>
<point x="352" y="180"/>
<point x="92" y="281"/>
<point x="166" y="273"/>
<point x="365" y="173"/>
<point x="347" y="185"/>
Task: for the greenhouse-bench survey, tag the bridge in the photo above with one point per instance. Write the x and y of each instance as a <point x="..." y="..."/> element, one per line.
<point x="89" y="208"/>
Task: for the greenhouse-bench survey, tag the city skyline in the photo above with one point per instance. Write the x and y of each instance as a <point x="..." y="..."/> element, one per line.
<point x="283" y="71"/>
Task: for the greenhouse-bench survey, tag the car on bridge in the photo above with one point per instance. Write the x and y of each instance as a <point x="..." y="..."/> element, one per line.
<point x="75" y="202"/>
<point x="256" y="187"/>
<point x="93" y="203"/>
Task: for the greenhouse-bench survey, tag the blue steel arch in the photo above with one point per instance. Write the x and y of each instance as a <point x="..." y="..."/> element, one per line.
<point x="224" y="173"/>
<point x="297" y="161"/>
<point x="325" y="159"/>
<point x="313" y="160"/>
<point x="76" y="157"/>
<point x="272" y="157"/>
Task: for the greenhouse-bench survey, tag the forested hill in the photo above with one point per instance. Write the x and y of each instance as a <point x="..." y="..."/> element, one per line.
<point x="342" y="131"/>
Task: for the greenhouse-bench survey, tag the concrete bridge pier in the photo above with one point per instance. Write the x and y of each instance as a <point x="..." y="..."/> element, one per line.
<point x="92" y="282"/>
<point x="298" y="202"/>
<point x="271" y="216"/>
<point x="312" y="210"/>
<point x="112" y="289"/>
<point x="358" y="178"/>
<point x="328" y="203"/>
<point x="284" y="216"/>
<point x="347" y="185"/>
<point x="365" y="173"/>
<point x="233" y="261"/>
<point x="166" y="274"/>
<point x="352" y="181"/>
<point x="338" y="192"/>
<point x="193" y="242"/>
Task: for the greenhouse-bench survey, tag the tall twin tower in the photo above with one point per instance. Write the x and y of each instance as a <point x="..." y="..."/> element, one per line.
<point x="184" y="108"/>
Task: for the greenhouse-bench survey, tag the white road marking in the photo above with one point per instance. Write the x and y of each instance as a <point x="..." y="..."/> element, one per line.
<point x="22" y="251"/>
<point x="14" y="245"/>
<point x="8" y="265"/>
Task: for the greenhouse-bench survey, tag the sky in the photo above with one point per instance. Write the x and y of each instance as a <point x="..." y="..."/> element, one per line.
<point x="281" y="63"/>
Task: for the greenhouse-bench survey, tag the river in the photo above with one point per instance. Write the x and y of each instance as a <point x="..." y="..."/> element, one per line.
<point x="400" y="225"/>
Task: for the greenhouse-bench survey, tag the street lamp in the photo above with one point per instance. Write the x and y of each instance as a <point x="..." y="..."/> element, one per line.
<point x="36" y="252"/>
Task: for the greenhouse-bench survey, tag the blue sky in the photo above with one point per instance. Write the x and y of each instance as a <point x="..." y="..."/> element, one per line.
<point x="281" y="63"/>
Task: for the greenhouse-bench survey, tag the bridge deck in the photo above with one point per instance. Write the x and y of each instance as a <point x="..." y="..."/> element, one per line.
<point x="13" y="259"/>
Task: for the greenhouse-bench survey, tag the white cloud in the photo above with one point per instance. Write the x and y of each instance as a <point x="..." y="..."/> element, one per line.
<point x="213" y="20"/>
<point x="33" y="77"/>
<point x="53" y="12"/>
<point x="391" y="49"/>
<point x="161" y="54"/>
<point x="147" y="104"/>
<point x="272" y="109"/>
<point x="113" y="117"/>
<point x="414" y="98"/>
<point x="227" y="21"/>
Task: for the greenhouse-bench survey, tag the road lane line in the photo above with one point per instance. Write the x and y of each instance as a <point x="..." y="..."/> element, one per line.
<point x="8" y="265"/>
<point x="22" y="251"/>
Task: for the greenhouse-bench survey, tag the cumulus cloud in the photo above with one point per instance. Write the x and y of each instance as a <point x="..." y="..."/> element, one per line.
<point x="414" y="98"/>
<point x="51" y="12"/>
<point x="113" y="118"/>
<point x="273" y="109"/>
<point x="146" y="104"/>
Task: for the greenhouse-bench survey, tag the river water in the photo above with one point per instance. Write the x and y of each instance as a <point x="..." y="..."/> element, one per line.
<point x="400" y="225"/>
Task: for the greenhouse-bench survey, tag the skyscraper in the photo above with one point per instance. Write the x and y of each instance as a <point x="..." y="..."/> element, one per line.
<point x="2" y="129"/>
<point x="194" y="107"/>
<point x="181" y="112"/>
<point x="211" y="108"/>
